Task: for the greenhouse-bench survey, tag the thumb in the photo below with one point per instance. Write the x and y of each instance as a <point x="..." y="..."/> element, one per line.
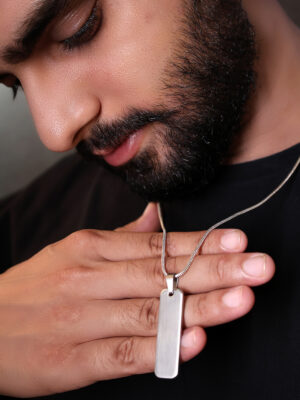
<point x="147" y="222"/>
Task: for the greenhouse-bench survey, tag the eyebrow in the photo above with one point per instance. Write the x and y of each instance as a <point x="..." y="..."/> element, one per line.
<point x="33" y="27"/>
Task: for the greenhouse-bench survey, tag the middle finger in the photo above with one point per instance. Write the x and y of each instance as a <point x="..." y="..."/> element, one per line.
<point x="144" y="278"/>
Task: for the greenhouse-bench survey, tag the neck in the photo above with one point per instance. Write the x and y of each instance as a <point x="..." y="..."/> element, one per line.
<point x="275" y="118"/>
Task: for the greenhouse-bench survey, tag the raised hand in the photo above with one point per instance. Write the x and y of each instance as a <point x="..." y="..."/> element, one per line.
<point x="85" y="308"/>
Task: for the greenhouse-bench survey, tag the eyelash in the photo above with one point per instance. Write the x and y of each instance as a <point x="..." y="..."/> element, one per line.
<point x="84" y="35"/>
<point x="15" y="88"/>
<point x="87" y="32"/>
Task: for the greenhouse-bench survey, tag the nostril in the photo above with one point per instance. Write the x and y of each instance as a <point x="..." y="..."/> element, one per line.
<point x="83" y="132"/>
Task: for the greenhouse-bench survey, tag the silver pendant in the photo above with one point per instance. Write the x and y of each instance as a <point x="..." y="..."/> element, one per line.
<point x="169" y="331"/>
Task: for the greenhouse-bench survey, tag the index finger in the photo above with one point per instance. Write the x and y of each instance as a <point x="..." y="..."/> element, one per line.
<point x="96" y="245"/>
<point x="128" y="246"/>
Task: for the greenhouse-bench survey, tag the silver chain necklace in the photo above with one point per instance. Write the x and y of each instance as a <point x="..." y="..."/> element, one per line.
<point x="171" y="299"/>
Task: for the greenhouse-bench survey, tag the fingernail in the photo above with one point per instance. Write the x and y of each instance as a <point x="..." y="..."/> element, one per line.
<point x="233" y="298"/>
<point x="231" y="240"/>
<point x="188" y="339"/>
<point x="255" y="266"/>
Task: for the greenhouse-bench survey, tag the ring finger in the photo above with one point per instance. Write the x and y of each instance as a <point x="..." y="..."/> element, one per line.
<point x="139" y="317"/>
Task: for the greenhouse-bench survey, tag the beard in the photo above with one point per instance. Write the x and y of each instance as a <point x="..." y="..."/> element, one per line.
<point x="209" y="82"/>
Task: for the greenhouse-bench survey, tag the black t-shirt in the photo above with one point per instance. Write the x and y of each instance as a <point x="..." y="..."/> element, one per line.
<point x="255" y="357"/>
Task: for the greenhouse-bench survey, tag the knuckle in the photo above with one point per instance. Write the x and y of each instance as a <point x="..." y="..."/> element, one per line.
<point x="155" y="274"/>
<point x="65" y="313"/>
<point x="171" y="265"/>
<point x="52" y="356"/>
<point x="205" y="246"/>
<point x="74" y="274"/>
<point x="206" y="309"/>
<point x="125" y="352"/>
<point x="99" y="242"/>
<point x="155" y="243"/>
<point x="220" y="269"/>
<point x="69" y="278"/>
<point x="49" y="250"/>
<point x="50" y="255"/>
<point x="87" y="239"/>
<point x="172" y="245"/>
<point x="79" y="238"/>
<point x="148" y="314"/>
<point x="133" y="271"/>
<point x="200" y="308"/>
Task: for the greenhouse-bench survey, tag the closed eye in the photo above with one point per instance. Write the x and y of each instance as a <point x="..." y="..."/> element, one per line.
<point x="15" y="88"/>
<point x="87" y="32"/>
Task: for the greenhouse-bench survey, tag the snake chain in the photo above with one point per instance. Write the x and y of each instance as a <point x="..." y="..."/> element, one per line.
<point x="215" y="226"/>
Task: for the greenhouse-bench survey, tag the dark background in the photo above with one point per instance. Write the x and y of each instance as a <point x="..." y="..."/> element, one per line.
<point x="22" y="156"/>
<point x="293" y="9"/>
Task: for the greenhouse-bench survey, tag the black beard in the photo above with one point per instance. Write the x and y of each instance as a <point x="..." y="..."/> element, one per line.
<point x="209" y="82"/>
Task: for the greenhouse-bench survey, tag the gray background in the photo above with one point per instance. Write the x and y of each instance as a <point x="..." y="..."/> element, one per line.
<point x="22" y="156"/>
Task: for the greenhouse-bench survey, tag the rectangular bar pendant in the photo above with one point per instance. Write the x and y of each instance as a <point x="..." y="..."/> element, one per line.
<point x="169" y="334"/>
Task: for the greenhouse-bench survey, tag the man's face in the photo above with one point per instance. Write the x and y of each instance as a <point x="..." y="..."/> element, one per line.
<point x="157" y="89"/>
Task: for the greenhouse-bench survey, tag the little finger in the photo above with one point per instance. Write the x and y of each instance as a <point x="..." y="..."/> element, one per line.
<point x="119" y="357"/>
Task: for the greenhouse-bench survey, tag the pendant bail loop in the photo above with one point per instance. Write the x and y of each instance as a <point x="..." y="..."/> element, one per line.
<point x="171" y="283"/>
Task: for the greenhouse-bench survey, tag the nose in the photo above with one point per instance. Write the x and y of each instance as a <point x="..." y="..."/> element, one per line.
<point x="62" y="107"/>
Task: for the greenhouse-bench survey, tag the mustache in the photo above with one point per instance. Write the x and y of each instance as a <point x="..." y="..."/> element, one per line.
<point x="108" y="136"/>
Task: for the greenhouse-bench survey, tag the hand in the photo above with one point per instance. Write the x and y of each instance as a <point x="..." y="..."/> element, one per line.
<point x="85" y="309"/>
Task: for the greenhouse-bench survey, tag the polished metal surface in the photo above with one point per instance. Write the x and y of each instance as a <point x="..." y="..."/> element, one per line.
<point x="169" y="334"/>
<point x="171" y="283"/>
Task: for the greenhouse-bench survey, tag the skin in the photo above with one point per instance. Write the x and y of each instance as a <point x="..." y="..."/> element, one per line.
<point x="78" y="329"/>
<point x="69" y="287"/>
<point x="274" y="124"/>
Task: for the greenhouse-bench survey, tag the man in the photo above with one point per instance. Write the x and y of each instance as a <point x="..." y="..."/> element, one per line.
<point x="194" y="104"/>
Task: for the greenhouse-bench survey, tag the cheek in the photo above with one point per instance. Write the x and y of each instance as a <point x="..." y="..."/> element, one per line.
<point x="129" y="59"/>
